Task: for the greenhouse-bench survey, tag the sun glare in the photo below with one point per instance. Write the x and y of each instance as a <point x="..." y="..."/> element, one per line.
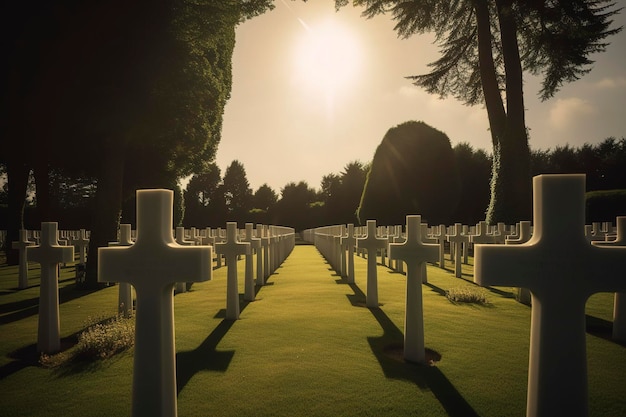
<point x="327" y="57"/>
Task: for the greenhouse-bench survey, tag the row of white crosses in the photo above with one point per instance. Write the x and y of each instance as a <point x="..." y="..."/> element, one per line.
<point x="79" y="239"/>
<point x="262" y="247"/>
<point x="559" y="266"/>
<point x="153" y="264"/>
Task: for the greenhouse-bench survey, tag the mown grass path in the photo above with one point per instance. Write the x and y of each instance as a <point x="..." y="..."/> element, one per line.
<point x="307" y="346"/>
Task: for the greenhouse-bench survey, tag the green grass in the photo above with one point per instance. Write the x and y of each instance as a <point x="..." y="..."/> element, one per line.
<point x="306" y="346"/>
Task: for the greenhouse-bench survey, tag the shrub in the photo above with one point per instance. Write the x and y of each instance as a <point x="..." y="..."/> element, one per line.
<point x="466" y="295"/>
<point x="101" y="338"/>
<point x="414" y="171"/>
<point x="105" y="338"/>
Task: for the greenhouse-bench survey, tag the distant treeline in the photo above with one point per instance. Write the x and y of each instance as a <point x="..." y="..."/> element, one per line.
<point x="210" y="200"/>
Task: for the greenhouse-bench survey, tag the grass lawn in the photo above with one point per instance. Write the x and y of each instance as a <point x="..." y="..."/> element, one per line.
<point x="307" y="346"/>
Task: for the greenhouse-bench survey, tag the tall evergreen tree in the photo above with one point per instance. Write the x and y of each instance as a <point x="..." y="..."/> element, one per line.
<point x="485" y="47"/>
<point x="237" y="191"/>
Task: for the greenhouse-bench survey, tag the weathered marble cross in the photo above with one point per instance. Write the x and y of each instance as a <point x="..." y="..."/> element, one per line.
<point x="562" y="269"/>
<point x="371" y="244"/>
<point x="255" y="245"/>
<point x="414" y="254"/>
<point x="49" y="254"/>
<point x="231" y="249"/>
<point x="153" y="264"/>
<point x="21" y="245"/>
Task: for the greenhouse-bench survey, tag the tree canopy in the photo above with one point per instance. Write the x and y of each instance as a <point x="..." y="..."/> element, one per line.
<point x="413" y="172"/>
<point x="133" y="99"/>
<point x="485" y="47"/>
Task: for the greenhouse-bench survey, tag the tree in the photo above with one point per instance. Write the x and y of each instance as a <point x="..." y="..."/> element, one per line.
<point x="147" y="91"/>
<point x="475" y="169"/>
<point x="264" y="198"/>
<point x="342" y="193"/>
<point x="485" y="47"/>
<point x="202" y="199"/>
<point x="237" y="192"/>
<point x="413" y="172"/>
<point x="296" y="207"/>
<point x="353" y="179"/>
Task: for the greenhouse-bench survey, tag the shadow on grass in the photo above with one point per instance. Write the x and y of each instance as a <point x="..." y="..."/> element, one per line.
<point x="436" y="289"/>
<point x="601" y="328"/>
<point x="206" y="357"/>
<point x="28" y="356"/>
<point x="30" y="307"/>
<point x="425" y="377"/>
<point x="504" y="294"/>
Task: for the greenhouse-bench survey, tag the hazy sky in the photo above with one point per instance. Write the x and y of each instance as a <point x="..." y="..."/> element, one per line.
<point x="314" y="89"/>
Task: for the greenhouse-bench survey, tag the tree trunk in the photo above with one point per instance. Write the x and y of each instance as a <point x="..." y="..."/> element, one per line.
<point x="42" y="188"/>
<point x="488" y="74"/>
<point x="511" y="190"/>
<point x="17" y="174"/>
<point x="107" y="210"/>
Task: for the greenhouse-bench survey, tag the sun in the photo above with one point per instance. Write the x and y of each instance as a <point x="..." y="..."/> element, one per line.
<point x="327" y="57"/>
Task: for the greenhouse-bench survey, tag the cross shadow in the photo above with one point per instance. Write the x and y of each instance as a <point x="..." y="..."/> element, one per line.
<point x="29" y="356"/>
<point x="424" y="376"/>
<point x="601" y="328"/>
<point x="435" y="288"/>
<point x="504" y="294"/>
<point x="30" y="307"/>
<point x="206" y="357"/>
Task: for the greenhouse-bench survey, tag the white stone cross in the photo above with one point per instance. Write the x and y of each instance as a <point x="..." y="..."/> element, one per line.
<point x="255" y="245"/>
<point x="522" y="294"/>
<point x="562" y="269"/>
<point x="153" y="264"/>
<point x="21" y="245"/>
<point x="457" y="240"/>
<point x="260" y="271"/>
<point x="414" y="254"/>
<point x="619" y="299"/>
<point x="371" y="244"/>
<point x="181" y="239"/>
<point x="49" y="254"/>
<point x="125" y="292"/>
<point x="263" y="233"/>
<point x="482" y="235"/>
<point x="231" y="249"/>
<point x="524" y="234"/>
<point x="441" y="239"/>
<point x="82" y="242"/>
<point x="349" y="241"/>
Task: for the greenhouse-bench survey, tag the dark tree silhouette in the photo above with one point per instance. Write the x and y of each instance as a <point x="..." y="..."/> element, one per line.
<point x="237" y="192"/>
<point x="264" y="198"/>
<point x="296" y="207"/>
<point x="475" y="169"/>
<point x="413" y="172"/>
<point x="201" y="198"/>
